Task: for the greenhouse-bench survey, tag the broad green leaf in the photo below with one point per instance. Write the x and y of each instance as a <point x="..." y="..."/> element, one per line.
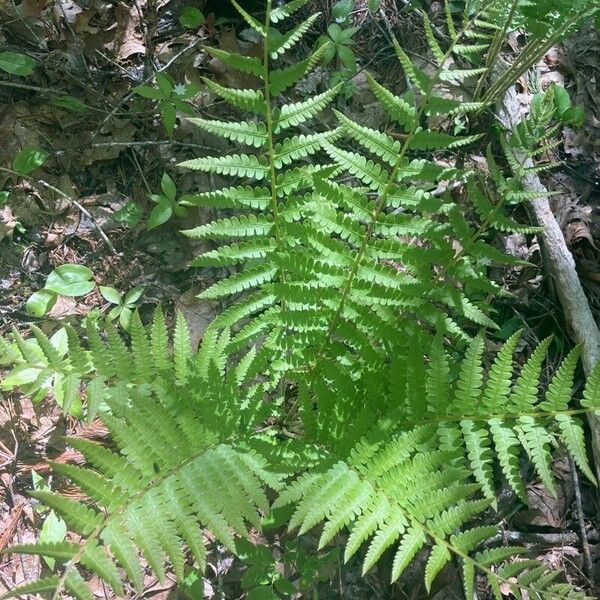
<point x="111" y="294"/>
<point x="29" y="159"/>
<point x="160" y="214"/>
<point x="191" y="17"/>
<point x="147" y="91"/>
<point x="71" y="280"/>
<point x="167" y="185"/>
<point x="16" y="63"/>
<point x="40" y="303"/>
<point x="133" y="296"/>
<point x="69" y="103"/>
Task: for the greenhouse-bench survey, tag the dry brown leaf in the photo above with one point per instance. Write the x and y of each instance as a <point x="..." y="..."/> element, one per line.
<point x="7" y="222"/>
<point x="130" y="38"/>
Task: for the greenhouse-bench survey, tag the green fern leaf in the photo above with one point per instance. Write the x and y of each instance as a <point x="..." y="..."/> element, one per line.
<point x="438" y="559"/>
<point x="48" y="584"/>
<point x="77" y="586"/>
<point x="591" y="392"/>
<point x="242" y="226"/>
<point x="159" y="342"/>
<point x="460" y="75"/>
<point x="233" y="197"/>
<point x="140" y="348"/>
<point x="379" y="143"/>
<point x="437" y="52"/>
<point x="182" y="349"/>
<point x="296" y="113"/>
<point x="235" y="253"/>
<point x="250" y="278"/>
<point x="537" y="442"/>
<point x="507" y="446"/>
<point x="400" y="110"/>
<point x="248" y="100"/>
<point x="280" y="45"/>
<point x="435" y="140"/>
<point x="281" y="80"/>
<point x="560" y="389"/>
<point x="286" y="10"/>
<point x="50" y="352"/>
<point x="386" y="535"/>
<point x="366" y="170"/>
<point x="251" y="134"/>
<point x="412" y="541"/>
<point x="525" y="391"/>
<point x="418" y="78"/>
<point x="258" y="27"/>
<point x="478" y="445"/>
<point x="234" y="164"/>
<point x="246" y="64"/>
<point x="498" y="385"/>
<point x="77" y="516"/>
<point x="470" y="380"/>
<point x="300" y="146"/>
<point x="574" y="439"/>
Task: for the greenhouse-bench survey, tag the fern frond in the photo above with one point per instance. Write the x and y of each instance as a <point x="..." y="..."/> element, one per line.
<point x="400" y="110"/>
<point x="242" y="226"/>
<point x="247" y="64"/>
<point x="240" y="165"/>
<point x="235" y="253"/>
<point x="286" y="10"/>
<point x="233" y="197"/>
<point x="248" y="279"/>
<point x="251" y="134"/>
<point x="280" y="80"/>
<point x="280" y="45"/>
<point x="249" y="100"/>
<point x="296" y="113"/>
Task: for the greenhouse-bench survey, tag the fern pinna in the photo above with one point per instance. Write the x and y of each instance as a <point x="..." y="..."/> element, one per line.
<point x="349" y="294"/>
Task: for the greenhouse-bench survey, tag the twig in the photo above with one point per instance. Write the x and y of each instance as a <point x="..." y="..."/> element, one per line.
<point x="72" y="200"/>
<point x="539" y="540"/>
<point x="588" y="566"/>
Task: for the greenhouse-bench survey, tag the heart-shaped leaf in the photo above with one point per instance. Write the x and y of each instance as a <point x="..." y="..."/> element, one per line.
<point x="71" y="280"/>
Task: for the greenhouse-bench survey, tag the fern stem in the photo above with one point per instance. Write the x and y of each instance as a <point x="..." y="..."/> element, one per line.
<point x="269" y="118"/>
<point x="495" y="48"/>
<point x="532" y="52"/>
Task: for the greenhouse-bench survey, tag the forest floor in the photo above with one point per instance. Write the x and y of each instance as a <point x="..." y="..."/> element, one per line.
<point x="108" y="148"/>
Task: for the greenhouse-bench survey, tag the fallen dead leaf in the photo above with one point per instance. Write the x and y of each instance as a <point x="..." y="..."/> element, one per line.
<point x="129" y="39"/>
<point x="7" y="222"/>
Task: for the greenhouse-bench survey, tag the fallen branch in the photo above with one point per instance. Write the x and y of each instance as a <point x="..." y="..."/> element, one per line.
<point x="559" y="265"/>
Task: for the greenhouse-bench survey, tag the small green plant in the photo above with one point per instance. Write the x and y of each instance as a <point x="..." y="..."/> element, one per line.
<point x="171" y="98"/>
<point x="125" y="304"/>
<point x="338" y="48"/>
<point x="166" y="203"/>
<point x="129" y="214"/>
